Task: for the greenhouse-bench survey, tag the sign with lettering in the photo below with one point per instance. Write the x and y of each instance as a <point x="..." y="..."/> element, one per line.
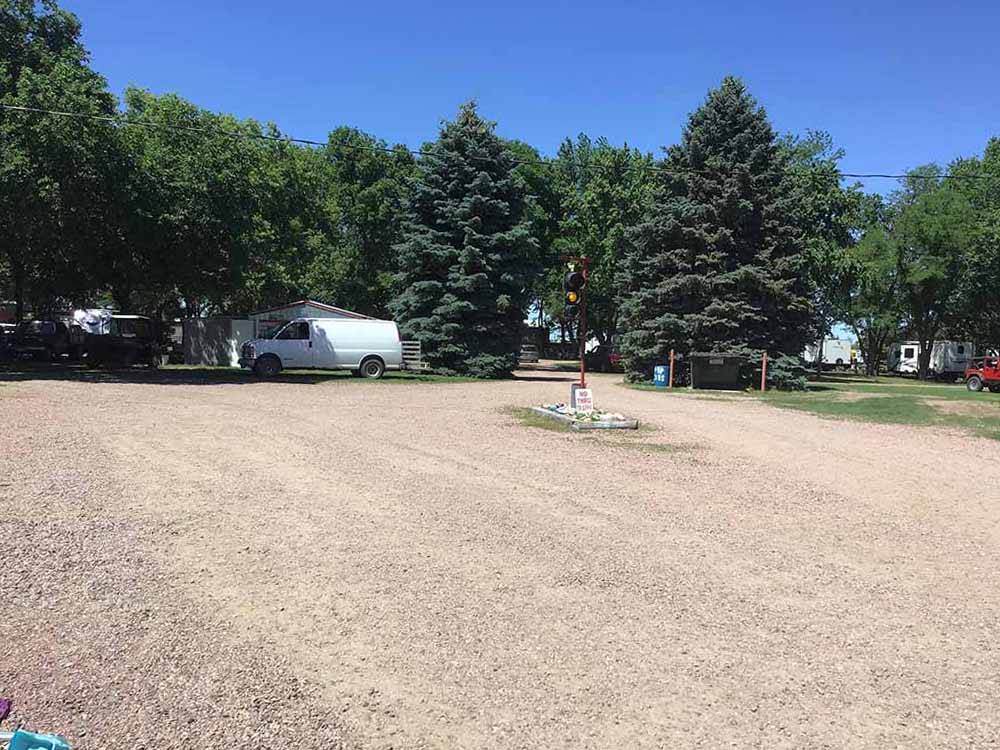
<point x="584" y="400"/>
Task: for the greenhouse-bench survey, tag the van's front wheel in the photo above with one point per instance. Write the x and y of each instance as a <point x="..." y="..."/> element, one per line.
<point x="267" y="367"/>
<point x="373" y="368"/>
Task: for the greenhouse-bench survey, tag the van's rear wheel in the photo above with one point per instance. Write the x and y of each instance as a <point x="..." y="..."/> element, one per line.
<point x="267" y="367"/>
<point x="974" y="384"/>
<point x="373" y="368"/>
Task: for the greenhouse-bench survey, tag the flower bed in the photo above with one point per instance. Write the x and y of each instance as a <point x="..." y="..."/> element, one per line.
<point x="586" y="420"/>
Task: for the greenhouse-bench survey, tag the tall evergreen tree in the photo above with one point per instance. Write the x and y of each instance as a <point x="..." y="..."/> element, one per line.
<point x="720" y="264"/>
<point x="467" y="258"/>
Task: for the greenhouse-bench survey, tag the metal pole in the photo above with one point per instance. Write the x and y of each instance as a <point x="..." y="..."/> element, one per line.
<point x="583" y="323"/>
<point x="671" y="376"/>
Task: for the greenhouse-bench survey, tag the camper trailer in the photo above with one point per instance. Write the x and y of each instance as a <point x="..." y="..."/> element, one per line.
<point x="836" y="353"/>
<point x="949" y="359"/>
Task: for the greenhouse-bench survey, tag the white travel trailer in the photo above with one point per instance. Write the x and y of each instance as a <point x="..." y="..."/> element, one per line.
<point x="948" y="358"/>
<point x="836" y="353"/>
<point x="365" y="346"/>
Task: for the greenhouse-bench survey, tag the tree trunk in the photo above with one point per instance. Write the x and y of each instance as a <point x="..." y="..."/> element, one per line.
<point x="122" y="298"/>
<point x="924" y="357"/>
<point x="819" y="356"/>
<point x="18" y="270"/>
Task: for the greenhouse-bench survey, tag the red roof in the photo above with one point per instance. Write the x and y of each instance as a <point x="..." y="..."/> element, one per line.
<point x="313" y="303"/>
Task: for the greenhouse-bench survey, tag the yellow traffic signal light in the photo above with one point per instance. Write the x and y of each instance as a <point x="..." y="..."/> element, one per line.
<point x="572" y="297"/>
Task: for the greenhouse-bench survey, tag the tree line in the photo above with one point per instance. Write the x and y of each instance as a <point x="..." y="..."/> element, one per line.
<point x="736" y="238"/>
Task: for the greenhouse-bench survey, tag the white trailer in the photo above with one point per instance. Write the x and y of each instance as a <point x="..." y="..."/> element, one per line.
<point x="949" y="359"/>
<point x="836" y="353"/>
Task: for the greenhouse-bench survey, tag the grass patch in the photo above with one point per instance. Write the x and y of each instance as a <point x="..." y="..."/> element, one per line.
<point x="896" y="401"/>
<point x="528" y="418"/>
<point x="631" y="439"/>
<point x="880" y="400"/>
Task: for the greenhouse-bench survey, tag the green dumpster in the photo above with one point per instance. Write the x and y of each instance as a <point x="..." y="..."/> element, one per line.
<point x="716" y="370"/>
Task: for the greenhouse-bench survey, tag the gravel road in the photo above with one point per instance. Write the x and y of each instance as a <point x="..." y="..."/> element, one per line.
<point x="374" y="565"/>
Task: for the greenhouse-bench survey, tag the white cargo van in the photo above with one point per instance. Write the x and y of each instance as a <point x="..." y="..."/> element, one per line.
<point x="365" y="347"/>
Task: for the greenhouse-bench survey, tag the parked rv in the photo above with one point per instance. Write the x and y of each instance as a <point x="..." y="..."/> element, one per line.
<point x="366" y="347"/>
<point x="836" y="353"/>
<point x="949" y="359"/>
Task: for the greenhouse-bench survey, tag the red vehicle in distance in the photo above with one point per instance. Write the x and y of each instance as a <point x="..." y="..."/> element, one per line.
<point x="984" y="373"/>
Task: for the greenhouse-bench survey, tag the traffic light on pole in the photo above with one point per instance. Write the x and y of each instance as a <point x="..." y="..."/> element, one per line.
<point x="573" y="284"/>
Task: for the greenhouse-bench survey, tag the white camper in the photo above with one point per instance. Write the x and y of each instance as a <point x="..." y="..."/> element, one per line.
<point x="365" y="346"/>
<point x="836" y="353"/>
<point x="949" y="359"/>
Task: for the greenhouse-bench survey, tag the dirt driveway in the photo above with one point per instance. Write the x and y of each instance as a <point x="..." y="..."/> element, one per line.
<point x="393" y="565"/>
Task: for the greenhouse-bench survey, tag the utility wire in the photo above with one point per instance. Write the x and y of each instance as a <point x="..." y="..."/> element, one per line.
<point x="119" y="120"/>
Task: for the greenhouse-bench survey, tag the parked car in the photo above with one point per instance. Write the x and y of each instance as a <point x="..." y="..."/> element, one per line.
<point x="365" y="347"/>
<point x="604" y="358"/>
<point x="528" y="355"/>
<point x="6" y="336"/>
<point x="46" y="340"/>
<point x="984" y="373"/>
<point x="130" y="340"/>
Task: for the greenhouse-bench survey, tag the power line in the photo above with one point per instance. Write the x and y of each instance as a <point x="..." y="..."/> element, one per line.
<point x="118" y="120"/>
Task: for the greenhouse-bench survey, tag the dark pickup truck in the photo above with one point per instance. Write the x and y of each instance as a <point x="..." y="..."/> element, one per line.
<point x="46" y="340"/>
<point x="130" y="340"/>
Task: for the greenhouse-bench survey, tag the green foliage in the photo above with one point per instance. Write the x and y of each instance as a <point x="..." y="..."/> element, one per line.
<point x="976" y="312"/>
<point x="365" y="192"/>
<point x="747" y="243"/>
<point x="785" y="373"/>
<point x="871" y="306"/>
<point x="605" y="192"/>
<point x="52" y="174"/>
<point x="720" y="264"/>
<point x="830" y="218"/>
<point x="467" y="257"/>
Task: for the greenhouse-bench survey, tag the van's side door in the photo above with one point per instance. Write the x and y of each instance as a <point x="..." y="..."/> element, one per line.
<point x="293" y="345"/>
<point x="324" y="347"/>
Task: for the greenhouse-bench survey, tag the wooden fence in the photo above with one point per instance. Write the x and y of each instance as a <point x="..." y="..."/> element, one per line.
<point x="413" y="356"/>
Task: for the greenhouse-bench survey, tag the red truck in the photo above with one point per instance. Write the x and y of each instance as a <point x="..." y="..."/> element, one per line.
<point x="984" y="373"/>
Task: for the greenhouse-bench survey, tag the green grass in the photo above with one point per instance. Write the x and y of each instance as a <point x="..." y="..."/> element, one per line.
<point x="881" y="400"/>
<point x="528" y="418"/>
<point x="204" y="375"/>
<point x="895" y="401"/>
<point x="631" y="439"/>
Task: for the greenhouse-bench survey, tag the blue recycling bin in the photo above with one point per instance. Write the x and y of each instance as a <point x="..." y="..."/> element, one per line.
<point x="661" y="376"/>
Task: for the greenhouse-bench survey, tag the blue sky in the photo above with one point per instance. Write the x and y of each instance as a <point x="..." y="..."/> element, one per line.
<point x="897" y="84"/>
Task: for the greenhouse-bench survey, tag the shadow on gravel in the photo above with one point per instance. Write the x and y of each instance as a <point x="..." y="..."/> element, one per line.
<point x="15" y="372"/>
<point x="546" y="379"/>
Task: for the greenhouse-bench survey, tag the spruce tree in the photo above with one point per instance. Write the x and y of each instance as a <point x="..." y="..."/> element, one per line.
<point x="720" y="264"/>
<point x="467" y="257"/>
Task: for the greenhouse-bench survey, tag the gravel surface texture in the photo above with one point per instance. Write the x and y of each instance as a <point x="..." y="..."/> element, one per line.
<point x="376" y="565"/>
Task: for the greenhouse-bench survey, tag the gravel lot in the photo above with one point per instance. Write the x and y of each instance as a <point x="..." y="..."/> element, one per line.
<point x="355" y="564"/>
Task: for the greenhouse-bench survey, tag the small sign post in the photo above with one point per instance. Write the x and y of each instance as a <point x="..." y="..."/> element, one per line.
<point x="584" y="400"/>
